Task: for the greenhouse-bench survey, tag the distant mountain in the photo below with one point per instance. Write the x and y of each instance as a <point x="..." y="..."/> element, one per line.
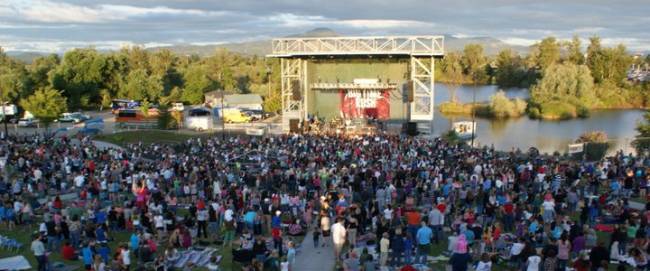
<point x="491" y="46"/>
<point x="263" y="47"/>
<point x="26" y="57"/>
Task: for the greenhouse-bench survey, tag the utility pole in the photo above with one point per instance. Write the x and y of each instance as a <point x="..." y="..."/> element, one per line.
<point x="4" y="115"/>
<point x="223" y="120"/>
<point x="473" y="116"/>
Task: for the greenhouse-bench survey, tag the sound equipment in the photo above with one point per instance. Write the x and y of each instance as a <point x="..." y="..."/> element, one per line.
<point x="294" y="126"/>
<point x="411" y="128"/>
<point x="296" y="90"/>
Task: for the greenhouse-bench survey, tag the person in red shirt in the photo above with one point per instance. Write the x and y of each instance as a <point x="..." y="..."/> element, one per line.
<point x="68" y="253"/>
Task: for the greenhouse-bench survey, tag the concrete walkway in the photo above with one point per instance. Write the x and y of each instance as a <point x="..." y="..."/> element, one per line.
<point x="314" y="259"/>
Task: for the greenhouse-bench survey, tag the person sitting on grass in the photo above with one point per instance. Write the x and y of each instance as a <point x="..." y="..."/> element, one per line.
<point x="68" y="252"/>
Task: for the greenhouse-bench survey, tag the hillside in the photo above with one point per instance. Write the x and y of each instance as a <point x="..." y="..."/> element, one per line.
<point x="262" y="47"/>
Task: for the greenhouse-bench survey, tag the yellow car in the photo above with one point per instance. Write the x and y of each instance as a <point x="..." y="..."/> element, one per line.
<point x="233" y="115"/>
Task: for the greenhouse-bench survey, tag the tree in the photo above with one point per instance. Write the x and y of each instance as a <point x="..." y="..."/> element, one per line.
<point x="568" y="83"/>
<point x="474" y="62"/>
<point x="14" y="83"/>
<point x="41" y="67"/>
<point x="547" y="53"/>
<point x="510" y="70"/>
<point x="80" y="74"/>
<point x="574" y="51"/>
<point x="453" y="73"/>
<point x="139" y="86"/>
<point x="197" y="83"/>
<point x="642" y="141"/>
<point x="46" y="104"/>
<point x="595" y="59"/>
<point x="607" y="64"/>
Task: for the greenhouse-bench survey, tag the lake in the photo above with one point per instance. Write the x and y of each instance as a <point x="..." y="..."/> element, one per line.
<point x="547" y="136"/>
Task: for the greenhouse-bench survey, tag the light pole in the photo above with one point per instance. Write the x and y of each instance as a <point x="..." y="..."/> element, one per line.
<point x="223" y="119"/>
<point x="473" y="116"/>
<point x="4" y="115"/>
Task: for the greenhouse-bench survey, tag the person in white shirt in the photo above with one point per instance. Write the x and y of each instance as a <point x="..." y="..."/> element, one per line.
<point x="126" y="257"/>
<point x="533" y="263"/>
<point x="338" y="237"/>
<point x="485" y="264"/>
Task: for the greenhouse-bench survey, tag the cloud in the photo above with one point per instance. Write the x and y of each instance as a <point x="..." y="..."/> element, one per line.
<point x="61" y="12"/>
<point x="54" y="23"/>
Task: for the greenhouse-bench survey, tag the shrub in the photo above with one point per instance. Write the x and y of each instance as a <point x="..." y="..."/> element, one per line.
<point x="502" y="107"/>
<point x="534" y="113"/>
<point x="583" y="112"/>
<point x="557" y="110"/>
<point x="455" y="108"/>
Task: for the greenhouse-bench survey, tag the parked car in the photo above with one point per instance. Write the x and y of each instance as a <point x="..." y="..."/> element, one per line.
<point x="256" y="115"/>
<point x="76" y="117"/>
<point x="9" y="119"/>
<point x="27" y="122"/>
<point x="234" y="115"/>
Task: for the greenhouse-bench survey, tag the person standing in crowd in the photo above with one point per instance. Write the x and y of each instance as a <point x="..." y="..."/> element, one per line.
<point x="338" y="237"/>
<point x="384" y="246"/>
<point x="423" y="237"/>
<point x="38" y="248"/>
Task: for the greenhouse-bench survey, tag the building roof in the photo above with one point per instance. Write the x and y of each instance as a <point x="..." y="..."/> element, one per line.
<point x="235" y="99"/>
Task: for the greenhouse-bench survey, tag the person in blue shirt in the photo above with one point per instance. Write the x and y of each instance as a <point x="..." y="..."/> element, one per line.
<point x="423" y="238"/>
<point x="135" y="242"/>
<point x="249" y="218"/>
<point x="469" y="236"/>
<point x="87" y="255"/>
<point x="104" y="251"/>
<point x="408" y="248"/>
<point x="275" y="220"/>
<point x="100" y="234"/>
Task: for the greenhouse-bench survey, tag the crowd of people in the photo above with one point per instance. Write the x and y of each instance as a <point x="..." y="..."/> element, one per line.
<point x="378" y="201"/>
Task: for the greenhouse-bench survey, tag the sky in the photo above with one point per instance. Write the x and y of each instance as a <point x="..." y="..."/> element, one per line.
<point x="59" y="25"/>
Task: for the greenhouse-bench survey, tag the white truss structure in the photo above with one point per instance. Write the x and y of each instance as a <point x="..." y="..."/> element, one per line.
<point x="293" y="76"/>
<point x="382" y="45"/>
<point x="293" y="53"/>
<point x="422" y="76"/>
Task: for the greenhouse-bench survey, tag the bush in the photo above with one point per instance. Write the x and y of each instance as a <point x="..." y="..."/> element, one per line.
<point x="166" y="120"/>
<point x="583" y="112"/>
<point x="502" y="107"/>
<point x="534" y="113"/>
<point x="455" y="108"/>
<point x="557" y="110"/>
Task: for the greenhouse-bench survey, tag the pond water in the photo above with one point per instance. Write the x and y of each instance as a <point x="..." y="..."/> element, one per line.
<point x="523" y="133"/>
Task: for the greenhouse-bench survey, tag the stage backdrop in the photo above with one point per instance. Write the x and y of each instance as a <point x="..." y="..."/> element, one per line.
<point x="381" y="104"/>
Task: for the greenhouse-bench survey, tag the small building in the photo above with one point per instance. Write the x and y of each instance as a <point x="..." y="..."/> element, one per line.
<point x="244" y="101"/>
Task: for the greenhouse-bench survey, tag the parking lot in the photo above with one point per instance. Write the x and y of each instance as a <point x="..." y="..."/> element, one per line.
<point x="270" y="125"/>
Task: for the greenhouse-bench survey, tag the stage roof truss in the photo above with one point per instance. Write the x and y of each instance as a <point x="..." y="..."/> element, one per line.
<point x="381" y="45"/>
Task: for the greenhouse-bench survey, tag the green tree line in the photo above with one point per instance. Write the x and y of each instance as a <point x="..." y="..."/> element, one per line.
<point x="89" y="79"/>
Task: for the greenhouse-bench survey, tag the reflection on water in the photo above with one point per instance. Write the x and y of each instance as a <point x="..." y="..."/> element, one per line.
<point x="547" y="136"/>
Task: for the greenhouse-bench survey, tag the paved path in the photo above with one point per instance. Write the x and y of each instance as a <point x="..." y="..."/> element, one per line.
<point x="314" y="259"/>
